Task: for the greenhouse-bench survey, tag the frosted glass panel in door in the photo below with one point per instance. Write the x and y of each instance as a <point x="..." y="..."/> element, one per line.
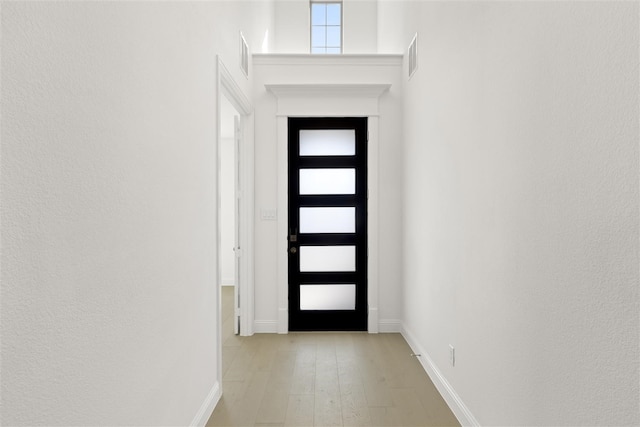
<point x="327" y="220"/>
<point x="328" y="142"/>
<point x="327" y="181"/>
<point x="327" y="297"/>
<point x="327" y="258"/>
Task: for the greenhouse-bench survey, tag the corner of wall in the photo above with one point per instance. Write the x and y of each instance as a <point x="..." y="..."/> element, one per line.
<point x="207" y="407"/>
<point x="457" y="406"/>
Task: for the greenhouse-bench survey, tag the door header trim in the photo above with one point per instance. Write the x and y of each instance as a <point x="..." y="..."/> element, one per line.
<point x="318" y="100"/>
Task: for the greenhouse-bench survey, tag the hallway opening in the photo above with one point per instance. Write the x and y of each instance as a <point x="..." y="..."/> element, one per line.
<point x="230" y="204"/>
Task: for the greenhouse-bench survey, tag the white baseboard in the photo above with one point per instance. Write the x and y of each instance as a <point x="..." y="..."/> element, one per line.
<point x="389" y="325"/>
<point x="207" y="407"/>
<point x="459" y="409"/>
<point x="265" y="326"/>
<point x="271" y="326"/>
<point x="372" y="321"/>
<point x="282" y="325"/>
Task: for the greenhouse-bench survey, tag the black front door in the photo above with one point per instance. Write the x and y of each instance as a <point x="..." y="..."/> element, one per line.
<point x="327" y="224"/>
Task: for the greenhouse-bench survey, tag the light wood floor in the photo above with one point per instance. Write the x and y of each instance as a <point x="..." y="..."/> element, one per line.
<point x="323" y="379"/>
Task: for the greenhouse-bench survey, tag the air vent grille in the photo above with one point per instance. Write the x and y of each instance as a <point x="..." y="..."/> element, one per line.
<point x="244" y="56"/>
<point x="413" y="56"/>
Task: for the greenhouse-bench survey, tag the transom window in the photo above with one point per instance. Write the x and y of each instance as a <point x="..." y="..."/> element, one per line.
<point x="326" y="27"/>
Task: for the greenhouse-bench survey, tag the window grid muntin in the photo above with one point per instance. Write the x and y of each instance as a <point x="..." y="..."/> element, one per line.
<point x="324" y="48"/>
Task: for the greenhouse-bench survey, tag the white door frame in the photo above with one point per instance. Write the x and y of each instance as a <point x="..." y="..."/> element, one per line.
<point x="328" y="100"/>
<point x="227" y="86"/>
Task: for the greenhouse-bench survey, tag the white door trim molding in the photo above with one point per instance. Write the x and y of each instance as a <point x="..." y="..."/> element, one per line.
<point x="227" y="86"/>
<point x="327" y="100"/>
<point x="348" y="59"/>
<point x="230" y="88"/>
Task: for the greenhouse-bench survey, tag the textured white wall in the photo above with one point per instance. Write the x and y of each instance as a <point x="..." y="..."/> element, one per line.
<point x="360" y="21"/>
<point x="291" y="29"/>
<point x="391" y="30"/>
<point x="521" y="206"/>
<point x="109" y="306"/>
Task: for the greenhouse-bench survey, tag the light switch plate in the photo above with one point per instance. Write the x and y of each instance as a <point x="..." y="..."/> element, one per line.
<point x="268" y="214"/>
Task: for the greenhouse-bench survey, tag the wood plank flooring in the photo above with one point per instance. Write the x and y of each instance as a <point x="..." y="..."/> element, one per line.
<point x="323" y="379"/>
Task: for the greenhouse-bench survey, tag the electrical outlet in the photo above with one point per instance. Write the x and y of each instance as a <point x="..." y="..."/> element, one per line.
<point x="452" y="355"/>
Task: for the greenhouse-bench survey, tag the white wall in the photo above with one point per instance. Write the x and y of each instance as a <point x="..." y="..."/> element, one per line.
<point x="391" y="29"/>
<point x="360" y="31"/>
<point x="360" y="21"/>
<point x="285" y="69"/>
<point x="109" y="304"/>
<point x="521" y="206"/>
<point x="291" y="28"/>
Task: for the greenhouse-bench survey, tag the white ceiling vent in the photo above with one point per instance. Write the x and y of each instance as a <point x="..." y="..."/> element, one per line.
<point x="413" y="56"/>
<point x="244" y="56"/>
